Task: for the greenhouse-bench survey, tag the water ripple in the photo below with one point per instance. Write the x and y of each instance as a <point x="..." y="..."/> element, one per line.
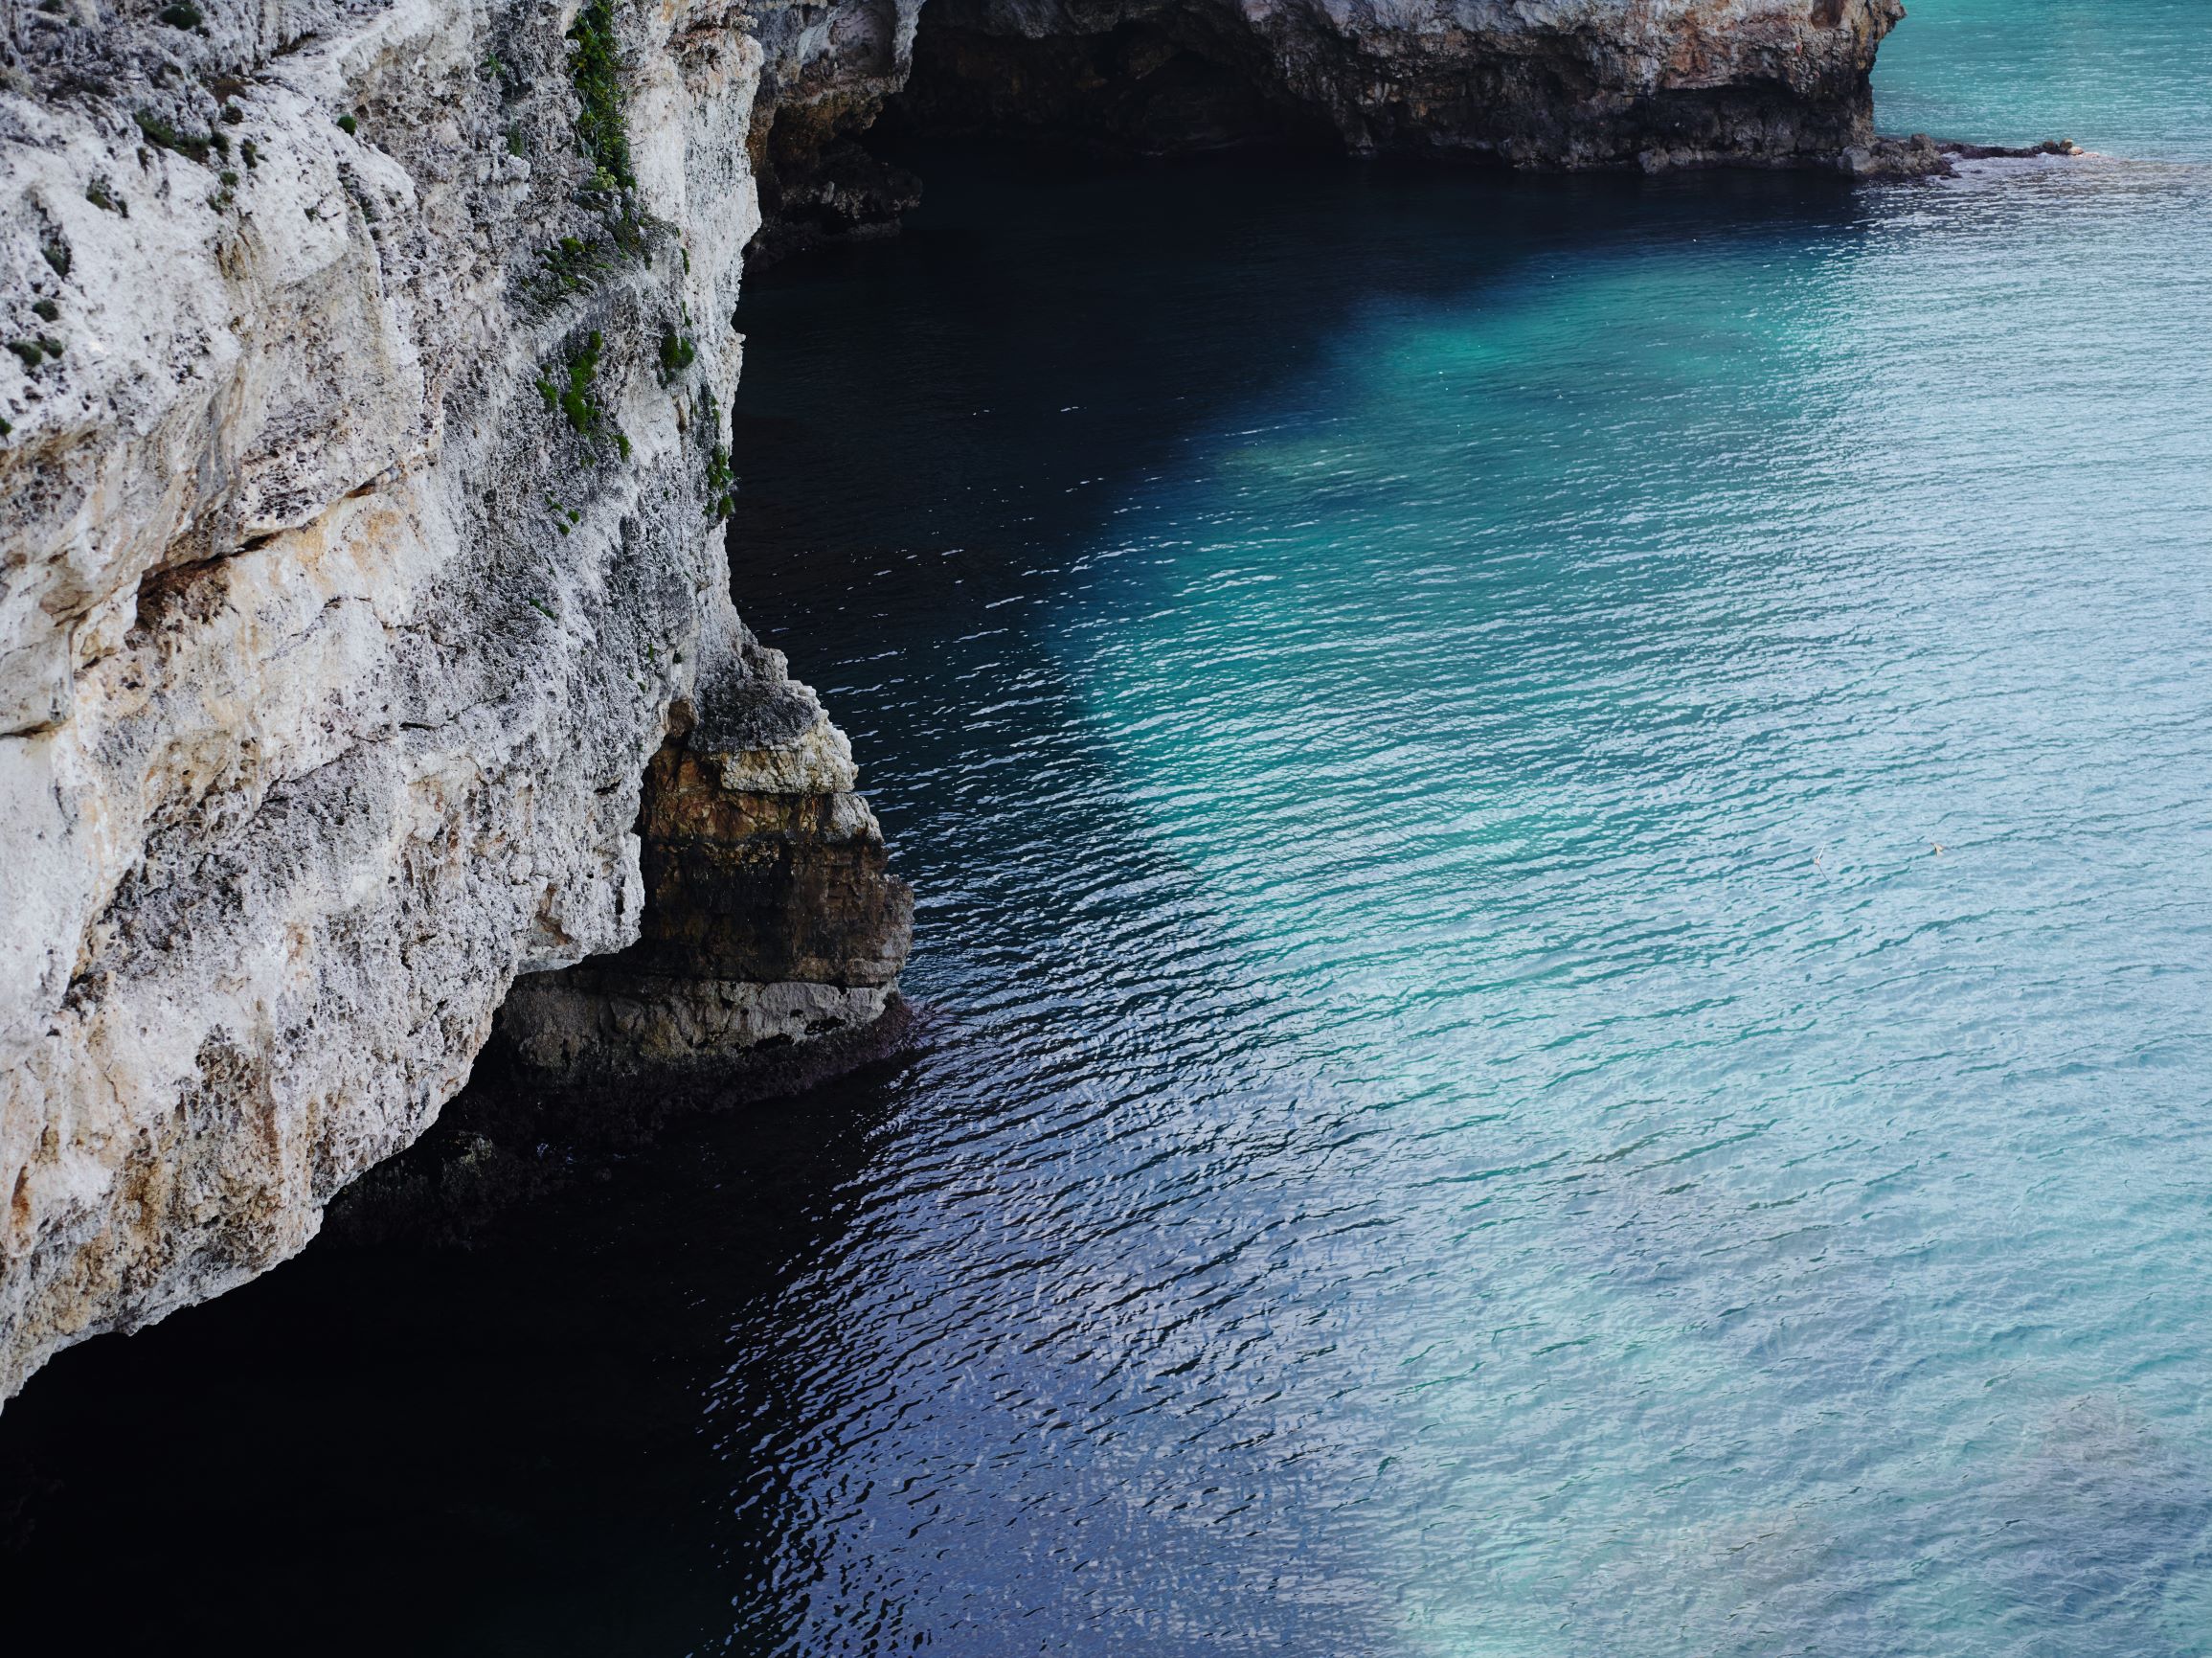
<point x="1574" y="930"/>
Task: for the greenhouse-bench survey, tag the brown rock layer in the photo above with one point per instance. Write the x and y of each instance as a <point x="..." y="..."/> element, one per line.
<point x="771" y="919"/>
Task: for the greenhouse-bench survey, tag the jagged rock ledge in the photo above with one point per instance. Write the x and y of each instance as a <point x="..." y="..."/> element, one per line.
<point x="1922" y="157"/>
<point x="1550" y="83"/>
<point x="771" y="919"/>
<point x="1653" y="85"/>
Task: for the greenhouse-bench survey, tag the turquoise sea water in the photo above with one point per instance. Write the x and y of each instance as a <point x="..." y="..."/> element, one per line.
<point x="1565" y="837"/>
<point x="1564" y="832"/>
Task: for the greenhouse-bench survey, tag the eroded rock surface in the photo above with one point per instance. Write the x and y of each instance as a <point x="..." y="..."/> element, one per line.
<point x="1656" y="84"/>
<point x="829" y="68"/>
<point x="771" y="916"/>
<point x="1557" y="83"/>
<point x="360" y="512"/>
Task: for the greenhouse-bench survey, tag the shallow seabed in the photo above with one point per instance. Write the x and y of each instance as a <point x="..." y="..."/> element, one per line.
<point x="1567" y="895"/>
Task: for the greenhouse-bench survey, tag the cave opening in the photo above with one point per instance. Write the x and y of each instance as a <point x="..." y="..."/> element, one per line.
<point x="1185" y="81"/>
<point x="846" y="164"/>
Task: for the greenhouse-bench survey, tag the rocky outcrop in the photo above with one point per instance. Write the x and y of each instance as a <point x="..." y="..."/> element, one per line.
<point x="365" y="642"/>
<point x="1656" y="84"/>
<point x="770" y="918"/>
<point x="1553" y="84"/>
<point x="360" y="500"/>
<point x="829" y="68"/>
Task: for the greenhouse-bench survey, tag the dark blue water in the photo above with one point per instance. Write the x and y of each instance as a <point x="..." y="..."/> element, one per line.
<point x="1566" y="880"/>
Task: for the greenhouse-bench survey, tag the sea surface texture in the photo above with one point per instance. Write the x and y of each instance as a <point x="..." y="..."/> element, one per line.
<point x="1565" y="838"/>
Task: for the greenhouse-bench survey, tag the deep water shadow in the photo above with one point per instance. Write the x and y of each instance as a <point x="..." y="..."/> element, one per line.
<point x="1045" y="338"/>
<point x="491" y="1449"/>
<point x="1043" y="333"/>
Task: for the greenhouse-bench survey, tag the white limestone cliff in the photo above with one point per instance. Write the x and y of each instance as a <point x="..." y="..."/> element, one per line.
<point x="361" y="528"/>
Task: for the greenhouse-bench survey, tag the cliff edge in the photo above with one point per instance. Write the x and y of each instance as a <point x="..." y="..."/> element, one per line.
<point x="363" y="483"/>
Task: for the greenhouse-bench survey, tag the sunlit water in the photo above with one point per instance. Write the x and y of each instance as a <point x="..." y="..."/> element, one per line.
<point x="1566" y="879"/>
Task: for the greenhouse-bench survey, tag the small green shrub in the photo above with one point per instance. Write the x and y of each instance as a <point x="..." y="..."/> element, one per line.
<point x="101" y="194"/>
<point x="184" y="14"/>
<point x="514" y="143"/>
<point x="565" y="517"/>
<point x="721" y="481"/>
<point x="57" y="255"/>
<point x="48" y="309"/>
<point x="570" y="266"/>
<point x="29" y="351"/>
<point x="348" y="126"/>
<point x="247" y="154"/>
<point x="572" y="394"/>
<point x="677" y="354"/>
<point x="627" y="232"/>
<point x="594" y="67"/>
<point x="164" y="136"/>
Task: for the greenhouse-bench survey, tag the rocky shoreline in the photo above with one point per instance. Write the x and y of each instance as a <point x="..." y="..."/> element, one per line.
<point x="370" y="676"/>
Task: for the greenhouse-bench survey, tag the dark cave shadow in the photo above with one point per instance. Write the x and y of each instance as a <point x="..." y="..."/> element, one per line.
<point x="494" y="1448"/>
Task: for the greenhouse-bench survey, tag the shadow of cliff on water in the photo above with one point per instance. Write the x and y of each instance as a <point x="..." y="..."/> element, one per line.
<point x="499" y="1448"/>
<point x="1044" y="340"/>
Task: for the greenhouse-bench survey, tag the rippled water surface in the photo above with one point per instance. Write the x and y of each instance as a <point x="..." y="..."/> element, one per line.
<point x="1565" y="887"/>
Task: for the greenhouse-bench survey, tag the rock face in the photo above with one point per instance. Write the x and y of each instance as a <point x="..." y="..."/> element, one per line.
<point x="828" y="70"/>
<point x="360" y="509"/>
<point x="770" y="918"/>
<point x="1555" y="84"/>
<point x="365" y="641"/>
<point x="1656" y="84"/>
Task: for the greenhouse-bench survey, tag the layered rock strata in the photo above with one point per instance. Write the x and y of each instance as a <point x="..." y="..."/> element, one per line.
<point x="770" y="918"/>
<point x="361" y="493"/>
